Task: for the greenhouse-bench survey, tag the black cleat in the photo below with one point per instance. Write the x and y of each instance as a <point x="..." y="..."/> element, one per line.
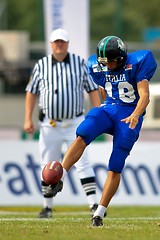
<point x="97" y="221"/>
<point x="52" y="190"/>
<point x="45" y="213"/>
<point x="94" y="208"/>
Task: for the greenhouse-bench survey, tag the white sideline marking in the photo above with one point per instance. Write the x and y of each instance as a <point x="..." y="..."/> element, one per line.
<point x="36" y="213"/>
<point x="56" y="218"/>
<point x="80" y="219"/>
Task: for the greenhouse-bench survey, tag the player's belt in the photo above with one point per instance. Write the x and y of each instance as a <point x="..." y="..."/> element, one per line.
<point x="52" y="122"/>
<point x="61" y="120"/>
<point x="42" y="116"/>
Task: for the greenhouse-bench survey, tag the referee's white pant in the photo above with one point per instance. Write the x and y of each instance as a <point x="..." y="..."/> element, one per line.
<point x="52" y="139"/>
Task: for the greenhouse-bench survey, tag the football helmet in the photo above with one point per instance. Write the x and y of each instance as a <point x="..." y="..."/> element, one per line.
<point x="111" y="48"/>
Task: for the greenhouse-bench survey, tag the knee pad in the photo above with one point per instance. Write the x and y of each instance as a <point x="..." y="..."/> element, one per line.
<point x="85" y="130"/>
<point x="117" y="160"/>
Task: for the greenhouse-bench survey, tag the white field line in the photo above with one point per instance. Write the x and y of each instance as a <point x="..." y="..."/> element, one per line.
<point x="10" y="218"/>
<point x="79" y="219"/>
<point x="36" y="213"/>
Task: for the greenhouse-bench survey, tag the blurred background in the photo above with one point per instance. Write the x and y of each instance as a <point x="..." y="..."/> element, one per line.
<point x="22" y="43"/>
<point x="24" y="38"/>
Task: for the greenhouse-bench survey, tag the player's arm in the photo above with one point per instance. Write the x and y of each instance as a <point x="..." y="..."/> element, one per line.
<point x="143" y="90"/>
<point x="29" y="107"/>
<point x="95" y="98"/>
<point x="103" y="93"/>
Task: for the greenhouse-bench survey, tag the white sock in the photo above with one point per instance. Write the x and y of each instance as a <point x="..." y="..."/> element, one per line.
<point x="64" y="174"/>
<point x="91" y="199"/>
<point x="100" y="211"/>
<point x="48" y="202"/>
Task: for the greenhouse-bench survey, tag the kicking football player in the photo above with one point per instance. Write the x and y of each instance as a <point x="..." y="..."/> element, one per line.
<point x="125" y="79"/>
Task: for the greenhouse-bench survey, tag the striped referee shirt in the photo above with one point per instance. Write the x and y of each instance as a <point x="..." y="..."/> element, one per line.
<point x="61" y="85"/>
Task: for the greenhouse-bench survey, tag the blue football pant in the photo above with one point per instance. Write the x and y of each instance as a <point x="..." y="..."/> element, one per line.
<point x="107" y="119"/>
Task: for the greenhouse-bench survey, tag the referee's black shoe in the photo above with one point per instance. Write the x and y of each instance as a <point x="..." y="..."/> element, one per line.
<point x="97" y="221"/>
<point x="45" y="213"/>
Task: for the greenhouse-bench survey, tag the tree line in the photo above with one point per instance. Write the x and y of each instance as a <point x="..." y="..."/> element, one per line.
<point x="125" y="18"/>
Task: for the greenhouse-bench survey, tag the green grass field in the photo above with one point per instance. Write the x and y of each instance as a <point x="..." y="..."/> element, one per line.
<point x="74" y="223"/>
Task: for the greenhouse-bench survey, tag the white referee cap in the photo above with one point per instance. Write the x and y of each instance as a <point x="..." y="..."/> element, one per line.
<point x="59" y="34"/>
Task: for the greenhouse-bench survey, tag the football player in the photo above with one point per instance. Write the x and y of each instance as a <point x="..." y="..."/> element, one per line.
<point x="125" y="80"/>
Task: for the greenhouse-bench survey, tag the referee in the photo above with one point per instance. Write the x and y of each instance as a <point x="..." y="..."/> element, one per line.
<point x="59" y="80"/>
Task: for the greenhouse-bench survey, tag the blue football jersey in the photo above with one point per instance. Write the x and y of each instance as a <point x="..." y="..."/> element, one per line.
<point x="121" y="85"/>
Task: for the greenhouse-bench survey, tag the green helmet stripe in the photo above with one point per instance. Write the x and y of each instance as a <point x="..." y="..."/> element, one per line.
<point x="104" y="49"/>
<point x="103" y="45"/>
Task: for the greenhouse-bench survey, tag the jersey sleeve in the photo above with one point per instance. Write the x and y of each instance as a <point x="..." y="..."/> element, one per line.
<point x="95" y="71"/>
<point x="89" y="84"/>
<point x="33" y="84"/>
<point x="146" y="66"/>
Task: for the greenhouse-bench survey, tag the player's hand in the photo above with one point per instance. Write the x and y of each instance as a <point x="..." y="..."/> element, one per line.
<point x="28" y="127"/>
<point x="132" y="120"/>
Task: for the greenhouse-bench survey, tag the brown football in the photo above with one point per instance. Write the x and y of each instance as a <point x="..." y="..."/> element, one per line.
<point x="52" y="172"/>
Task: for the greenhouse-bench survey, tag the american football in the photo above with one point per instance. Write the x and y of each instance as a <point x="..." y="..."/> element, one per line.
<point x="52" y="172"/>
